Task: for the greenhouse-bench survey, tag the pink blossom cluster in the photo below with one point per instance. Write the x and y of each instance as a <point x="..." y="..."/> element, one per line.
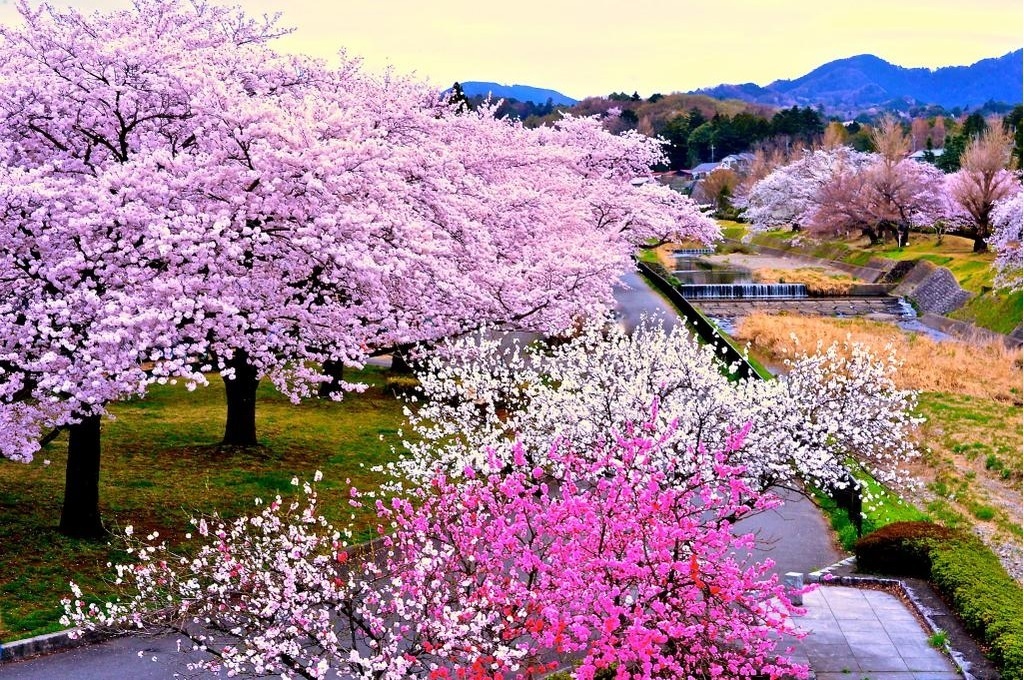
<point x="618" y="562"/>
<point x="1006" y="239"/>
<point x="839" y="190"/>
<point x="178" y="198"/>
<point x="836" y="191"/>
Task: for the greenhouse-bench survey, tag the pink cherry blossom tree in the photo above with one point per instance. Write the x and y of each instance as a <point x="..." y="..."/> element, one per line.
<point x="982" y="182"/>
<point x="789" y="195"/>
<point x="836" y="191"/>
<point x="162" y="192"/>
<point x="884" y="198"/>
<point x="505" y="574"/>
<point x="1006" y="239"/>
<point x="228" y="209"/>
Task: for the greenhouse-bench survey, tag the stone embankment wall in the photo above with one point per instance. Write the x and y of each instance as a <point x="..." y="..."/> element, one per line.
<point x="933" y="289"/>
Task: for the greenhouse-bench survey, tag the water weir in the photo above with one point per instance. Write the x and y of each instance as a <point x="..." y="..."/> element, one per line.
<point x="743" y="291"/>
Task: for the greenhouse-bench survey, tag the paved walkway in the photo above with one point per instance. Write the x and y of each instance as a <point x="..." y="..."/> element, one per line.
<point x="859" y="634"/>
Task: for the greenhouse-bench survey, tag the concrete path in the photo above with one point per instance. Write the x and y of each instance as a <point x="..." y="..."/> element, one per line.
<point x="859" y="634"/>
<point x="795" y="536"/>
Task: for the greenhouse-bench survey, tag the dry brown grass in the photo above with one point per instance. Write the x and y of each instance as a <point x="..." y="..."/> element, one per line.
<point x="665" y="256"/>
<point x="816" y="280"/>
<point x="986" y="370"/>
<point x="971" y="401"/>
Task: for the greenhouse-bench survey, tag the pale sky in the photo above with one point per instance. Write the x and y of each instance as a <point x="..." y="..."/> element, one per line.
<point x="593" y="47"/>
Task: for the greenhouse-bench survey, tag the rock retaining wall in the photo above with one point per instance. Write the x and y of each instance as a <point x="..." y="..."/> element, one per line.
<point x="933" y="289"/>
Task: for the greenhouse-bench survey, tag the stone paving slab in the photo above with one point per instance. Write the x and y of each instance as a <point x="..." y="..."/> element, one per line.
<point x="861" y="634"/>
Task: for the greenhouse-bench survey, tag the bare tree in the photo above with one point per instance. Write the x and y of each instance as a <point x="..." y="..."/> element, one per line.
<point x="920" y="131"/>
<point x="717" y="188"/>
<point x="938" y="133"/>
<point x="982" y="181"/>
<point x="835" y="135"/>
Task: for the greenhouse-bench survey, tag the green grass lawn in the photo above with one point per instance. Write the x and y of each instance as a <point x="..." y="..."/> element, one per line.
<point x="731" y="229"/>
<point x="972" y="270"/>
<point x="997" y="310"/>
<point x="973" y="470"/>
<point x="161" y="464"/>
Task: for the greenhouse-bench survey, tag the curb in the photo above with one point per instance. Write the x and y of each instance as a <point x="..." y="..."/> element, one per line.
<point x="47" y="643"/>
<point x="61" y="640"/>
<point x="824" y="577"/>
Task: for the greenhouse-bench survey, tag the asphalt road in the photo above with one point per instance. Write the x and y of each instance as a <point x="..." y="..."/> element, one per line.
<point x="795" y="536"/>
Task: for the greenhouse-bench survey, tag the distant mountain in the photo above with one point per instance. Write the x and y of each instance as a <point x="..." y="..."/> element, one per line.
<point x="866" y="81"/>
<point x="523" y="93"/>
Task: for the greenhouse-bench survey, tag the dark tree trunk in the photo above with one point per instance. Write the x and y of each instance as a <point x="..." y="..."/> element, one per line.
<point x="80" y="517"/>
<point x="240" y="429"/>
<point x="335" y="371"/>
<point x="980" y="245"/>
<point x="400" y="362"/>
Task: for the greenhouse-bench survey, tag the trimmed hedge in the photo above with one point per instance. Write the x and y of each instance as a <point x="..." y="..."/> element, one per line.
<point x="988" y="601"/>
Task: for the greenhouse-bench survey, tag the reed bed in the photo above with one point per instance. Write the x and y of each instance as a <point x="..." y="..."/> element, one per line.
<point x="983" y="369"/>
<point x="817" y="281"/>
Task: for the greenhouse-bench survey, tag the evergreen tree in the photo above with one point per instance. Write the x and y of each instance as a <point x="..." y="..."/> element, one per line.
<point x="1014" y="125"/>
<point x="457" y="97"/>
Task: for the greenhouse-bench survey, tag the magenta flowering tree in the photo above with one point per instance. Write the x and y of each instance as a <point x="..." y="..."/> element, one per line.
<point x="506" y="573"/>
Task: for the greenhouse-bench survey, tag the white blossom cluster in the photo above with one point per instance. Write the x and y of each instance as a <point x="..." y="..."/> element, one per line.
<point x="832" y="411"/>
<point x="1006" y="240"/>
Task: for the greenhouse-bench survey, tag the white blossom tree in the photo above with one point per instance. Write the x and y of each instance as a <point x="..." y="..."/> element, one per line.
<point x="831" y="410"/>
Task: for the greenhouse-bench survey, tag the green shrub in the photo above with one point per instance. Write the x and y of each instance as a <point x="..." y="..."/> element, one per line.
<point x="966" y="572"/>
<point x="985" y="597"/>
<point x="901" y="548"/>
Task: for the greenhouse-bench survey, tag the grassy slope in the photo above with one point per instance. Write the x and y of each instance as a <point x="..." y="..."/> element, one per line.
<point x="159" y="467"/>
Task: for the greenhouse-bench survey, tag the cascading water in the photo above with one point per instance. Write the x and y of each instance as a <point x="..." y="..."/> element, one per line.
<point x="693" y="252"/>
<point x="733" y="291"/>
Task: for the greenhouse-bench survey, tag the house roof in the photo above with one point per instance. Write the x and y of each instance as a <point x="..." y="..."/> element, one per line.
<point x="919" y="155"/>
<point x="705" y="167"/>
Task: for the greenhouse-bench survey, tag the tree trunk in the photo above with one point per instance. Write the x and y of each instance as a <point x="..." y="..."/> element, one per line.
<point x="980" y="245"/>
<point x="240" y="429"/>
<point x="334" y="370"/>
<point x="400" y="363"/>
<point x="80" y="517"/>
<point x="872" y="235"/>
